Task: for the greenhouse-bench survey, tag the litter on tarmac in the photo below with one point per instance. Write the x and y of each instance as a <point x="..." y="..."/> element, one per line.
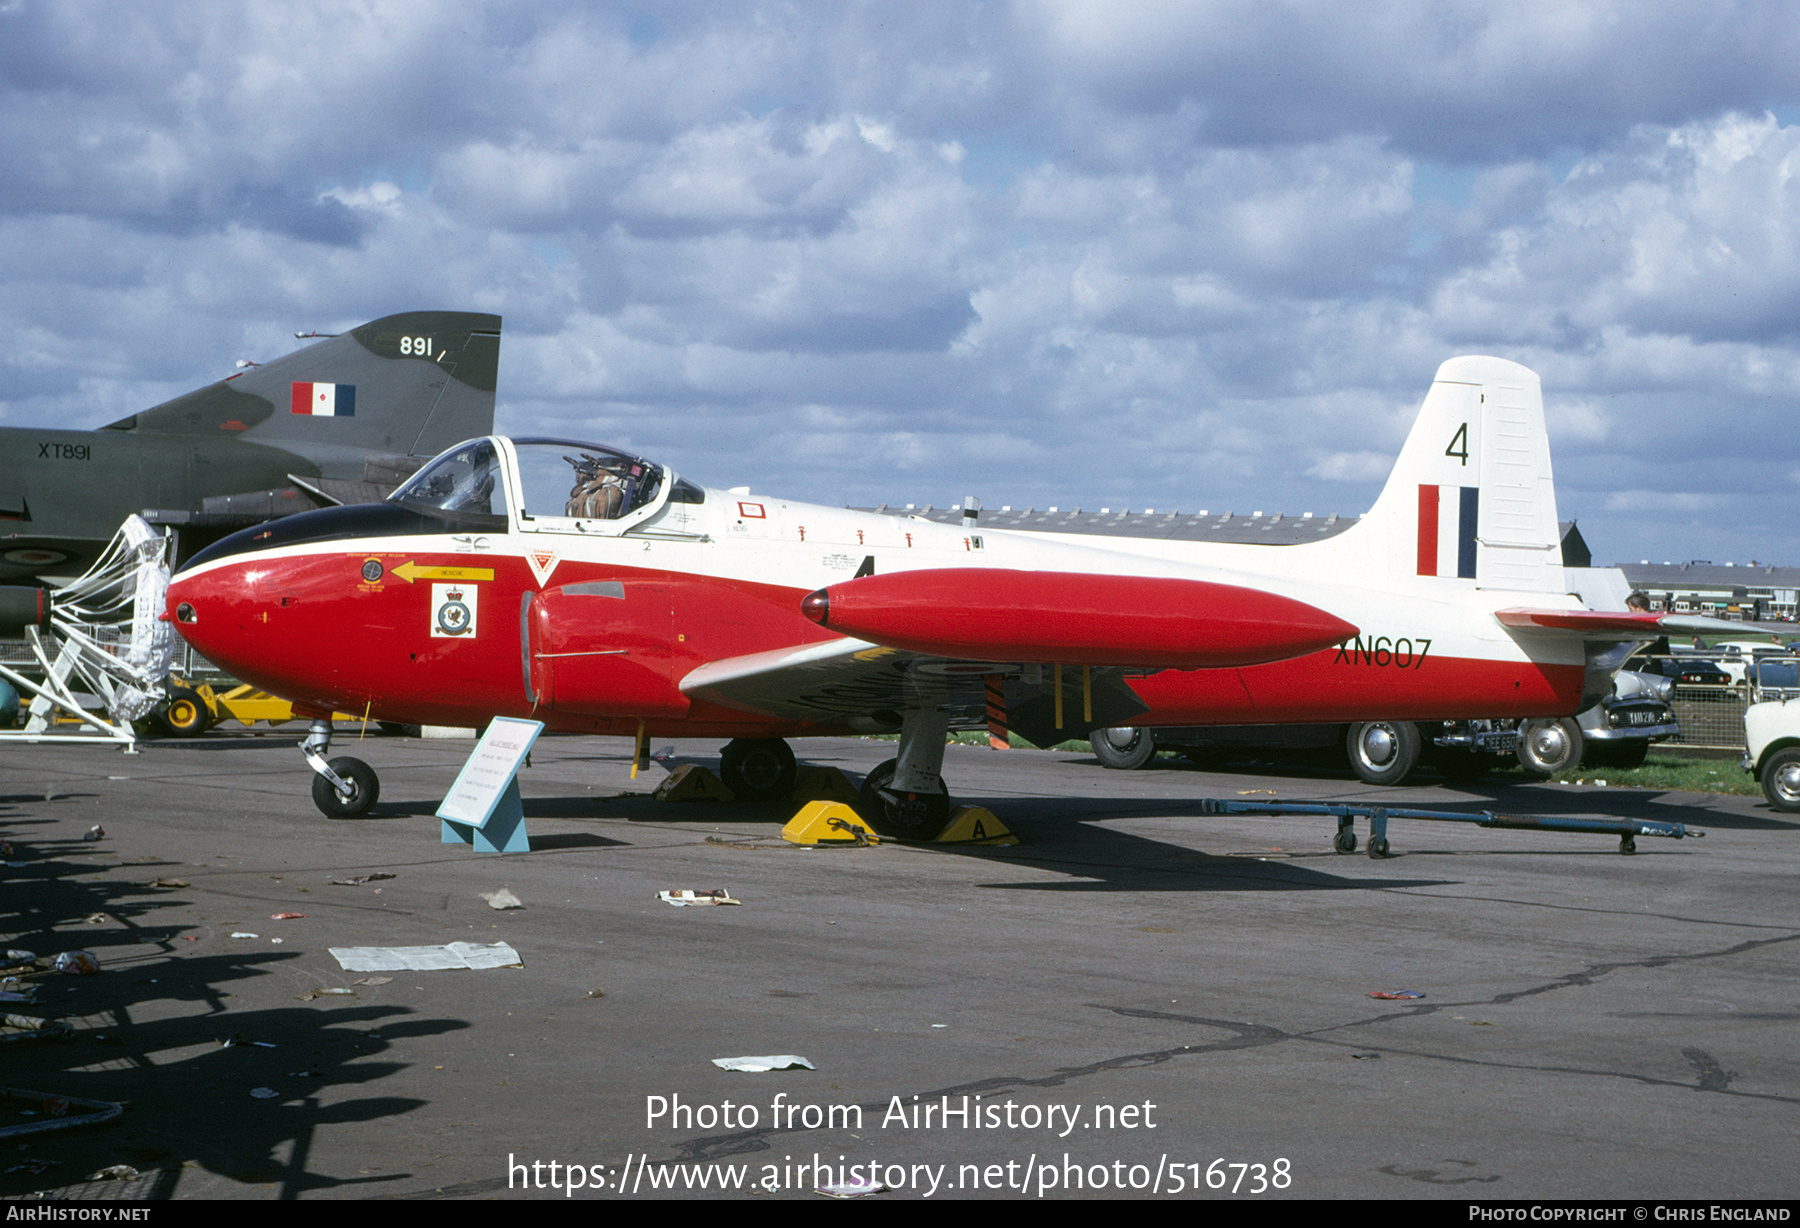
<point x="761" y="1065"/>
<point x="684" y="898"/>
<point x="427" y="959"/>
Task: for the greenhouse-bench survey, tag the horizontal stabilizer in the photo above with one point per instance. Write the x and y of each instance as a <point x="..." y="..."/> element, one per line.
<point x="1603" y="624"/>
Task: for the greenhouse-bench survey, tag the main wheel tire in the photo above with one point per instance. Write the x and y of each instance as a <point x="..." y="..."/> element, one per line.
<point x="912" y="816"/>
<point x="184" y="714"/>
<point x="1383" y="752"/>
<point x="1547" y="747"/>
<point x="1781" y="780"/>
<point x="1124" y="748"/>
<point x="758" y="769"/>
<point x="365" y="790"/>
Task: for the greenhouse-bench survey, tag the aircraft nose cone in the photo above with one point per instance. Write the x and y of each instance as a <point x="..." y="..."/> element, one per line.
<point x="214" y="613"/>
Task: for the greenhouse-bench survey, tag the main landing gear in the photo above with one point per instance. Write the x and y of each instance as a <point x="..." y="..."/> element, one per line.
<point x="758" y="769"/>
<point x="344" y="788"/>
<point x="906" y="797"/>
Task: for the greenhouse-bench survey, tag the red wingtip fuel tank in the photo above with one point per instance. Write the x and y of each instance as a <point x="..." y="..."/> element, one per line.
<point x="1075" y="619"/>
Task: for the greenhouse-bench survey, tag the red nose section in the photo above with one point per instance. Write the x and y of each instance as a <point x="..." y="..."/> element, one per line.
<point x="1075" y="619"/>
<point x="249" y="619"/>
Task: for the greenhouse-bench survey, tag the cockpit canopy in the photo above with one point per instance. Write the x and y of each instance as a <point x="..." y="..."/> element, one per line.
<point x="543" y="483"/>
<point x="464" y="479"/>
<point x="583" y="481"/>
<point x="491" y="485"/>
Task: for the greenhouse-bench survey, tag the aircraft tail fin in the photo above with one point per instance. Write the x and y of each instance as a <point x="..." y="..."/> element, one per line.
<point x="1471" y="497"/>
<point x="405" y="385"/>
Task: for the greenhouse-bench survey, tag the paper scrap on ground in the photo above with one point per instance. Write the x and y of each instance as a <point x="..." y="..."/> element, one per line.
<point x="758" y="1065"/>
<point x="427" y="959"/>
<point x="682" y="899"/>
<point x="501" y="899"/>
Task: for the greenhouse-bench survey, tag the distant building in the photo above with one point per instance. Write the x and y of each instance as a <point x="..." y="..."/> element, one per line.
<point x="1754" y="591"/>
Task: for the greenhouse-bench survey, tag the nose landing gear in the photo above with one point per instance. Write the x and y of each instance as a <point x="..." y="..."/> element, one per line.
<point x="344" y="788"/>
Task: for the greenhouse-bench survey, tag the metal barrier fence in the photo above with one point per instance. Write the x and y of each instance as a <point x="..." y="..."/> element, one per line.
<point x="1710" y="716"/>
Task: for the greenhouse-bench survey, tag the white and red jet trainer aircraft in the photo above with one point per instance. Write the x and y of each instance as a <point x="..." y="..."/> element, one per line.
<point x="600" y="593"/>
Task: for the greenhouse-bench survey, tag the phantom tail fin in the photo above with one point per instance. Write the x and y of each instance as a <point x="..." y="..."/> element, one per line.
<point x="410" y="384"/>
<point x="1471" y="496"/>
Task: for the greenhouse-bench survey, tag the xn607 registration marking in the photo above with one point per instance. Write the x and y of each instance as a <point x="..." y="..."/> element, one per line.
<point x="1381" y="651"/>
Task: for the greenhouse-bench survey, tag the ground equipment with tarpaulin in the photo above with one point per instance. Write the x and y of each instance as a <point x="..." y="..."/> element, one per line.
<point x="100" y="645"/>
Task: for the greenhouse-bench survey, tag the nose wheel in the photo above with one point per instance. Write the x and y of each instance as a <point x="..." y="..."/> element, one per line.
<point x="344" y="788"/>
<point x="359" y="790"/>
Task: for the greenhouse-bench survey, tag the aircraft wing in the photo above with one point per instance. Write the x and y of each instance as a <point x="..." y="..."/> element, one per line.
<point x="851" y="681"/>
<point x="1060" y="645"/>
<point x="824" y="681"/>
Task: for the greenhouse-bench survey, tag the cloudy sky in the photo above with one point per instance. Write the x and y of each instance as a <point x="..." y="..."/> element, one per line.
<point x="1128" y="254"/>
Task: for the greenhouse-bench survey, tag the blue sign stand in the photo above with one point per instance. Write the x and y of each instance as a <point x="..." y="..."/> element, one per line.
<point x="483" y="807"/>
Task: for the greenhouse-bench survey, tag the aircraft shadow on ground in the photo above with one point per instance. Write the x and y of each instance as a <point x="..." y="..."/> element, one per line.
<point x="542" y="808"/>
<point x="1060" y="836"/>
<point x="189" y="1095"/>
<point x="1063" y="833"/>
<point x="1494" y="792"/>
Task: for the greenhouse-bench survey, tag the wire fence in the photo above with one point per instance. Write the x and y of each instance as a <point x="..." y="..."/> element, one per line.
<point x="1709" y="716"/>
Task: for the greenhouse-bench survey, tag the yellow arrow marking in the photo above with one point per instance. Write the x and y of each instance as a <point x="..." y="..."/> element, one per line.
<point x="410" y="571"/>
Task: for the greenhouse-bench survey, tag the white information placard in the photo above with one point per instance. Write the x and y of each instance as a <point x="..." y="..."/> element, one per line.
<point x="490" y="769"/>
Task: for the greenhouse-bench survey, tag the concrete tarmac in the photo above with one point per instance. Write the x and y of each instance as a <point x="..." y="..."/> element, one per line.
<point x="1137" y="1001"/>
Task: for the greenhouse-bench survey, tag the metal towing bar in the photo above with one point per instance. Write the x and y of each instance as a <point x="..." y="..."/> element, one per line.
<point x="1627" y="830"/>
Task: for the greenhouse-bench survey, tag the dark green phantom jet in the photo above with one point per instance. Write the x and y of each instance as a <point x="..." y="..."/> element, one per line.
<point x="342" y="421"/>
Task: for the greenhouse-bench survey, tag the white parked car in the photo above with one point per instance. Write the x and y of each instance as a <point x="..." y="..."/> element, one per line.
<point x="1736" y="656"/>
<point x="1772" y="731"/>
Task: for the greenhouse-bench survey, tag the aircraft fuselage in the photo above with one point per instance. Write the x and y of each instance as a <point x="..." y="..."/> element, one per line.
<point x="592" y="626"/>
